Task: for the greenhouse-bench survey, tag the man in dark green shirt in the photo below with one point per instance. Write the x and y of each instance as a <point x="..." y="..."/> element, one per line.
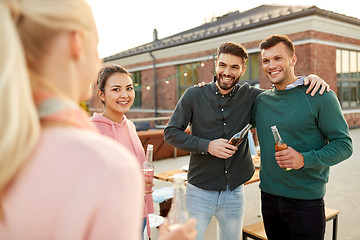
<point x="217" y="169"/>
<point x="317" y="135"/>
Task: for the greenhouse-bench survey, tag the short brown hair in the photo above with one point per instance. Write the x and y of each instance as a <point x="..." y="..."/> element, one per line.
<point x="273" y="40"/>
<point x="232" y="48"/>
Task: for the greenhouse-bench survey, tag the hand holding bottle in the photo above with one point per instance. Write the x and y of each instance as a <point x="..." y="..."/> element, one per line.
<point x="178" y="224"/>
<point x="238" y="138"/>
<point x="149" y="184"/>
<point x="287" y="157"/>
<point x="221" y="148"/>
<point x="185" y="231"/>
<point x="148" y="169"/>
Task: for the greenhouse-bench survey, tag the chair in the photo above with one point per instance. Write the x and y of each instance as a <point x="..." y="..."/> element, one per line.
<point x="256" y="231"/>
<point x="155" y="221"/>
<point x="163" y="196"/>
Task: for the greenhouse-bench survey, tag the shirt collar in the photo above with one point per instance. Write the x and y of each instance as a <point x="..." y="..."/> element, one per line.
<point x="298" y="82"/>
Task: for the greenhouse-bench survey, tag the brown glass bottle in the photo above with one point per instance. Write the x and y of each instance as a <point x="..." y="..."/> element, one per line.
<point x="279" y="144"/>
<point x="237" y="139"/>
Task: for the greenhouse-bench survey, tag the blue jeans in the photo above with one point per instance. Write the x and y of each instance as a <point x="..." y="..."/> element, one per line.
<point x="226" y="206"/>
<point x="293" y="219"/>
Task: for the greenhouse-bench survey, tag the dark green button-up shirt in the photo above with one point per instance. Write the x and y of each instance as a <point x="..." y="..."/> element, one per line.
<point x="212" y="115"/>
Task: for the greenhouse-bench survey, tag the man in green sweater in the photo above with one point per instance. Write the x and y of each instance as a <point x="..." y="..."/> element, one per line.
<point x="317" y="137"/>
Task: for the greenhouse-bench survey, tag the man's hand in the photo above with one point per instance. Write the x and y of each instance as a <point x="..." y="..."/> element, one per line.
<point x="289" y="158"/>
<point x="315" y="83"/>
<point x="221" y="149"/>
<point x="200" y="84"/>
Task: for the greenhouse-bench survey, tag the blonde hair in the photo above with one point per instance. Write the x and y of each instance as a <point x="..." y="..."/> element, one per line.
<point x="27" y="29"/>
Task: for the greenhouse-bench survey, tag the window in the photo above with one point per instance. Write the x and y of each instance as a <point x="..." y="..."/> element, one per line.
<point x="136" y="77"/>
<point x="348" y="78"/>
<point x="252" y="70"/>
<point x="188" y="76"/>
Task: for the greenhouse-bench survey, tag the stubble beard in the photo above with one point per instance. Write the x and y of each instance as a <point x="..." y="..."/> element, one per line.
<point x="225" y="86"/>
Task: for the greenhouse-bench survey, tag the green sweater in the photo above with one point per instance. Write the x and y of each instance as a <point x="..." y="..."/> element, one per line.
<point x="313" y="126"/>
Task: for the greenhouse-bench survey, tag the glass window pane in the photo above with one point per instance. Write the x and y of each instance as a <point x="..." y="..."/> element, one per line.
<point x="358" y="64"/>
<point x="345" y="94"/>
<point x="353" y="94"/>
<point x="339" y="92"/>
<point x="255" y="67"/>
<point x="136" y="77"/>
<point x="182" y="90"/>
<point x="195" y="74"/>
<point x="188" y="76"/>
<point x="345" y="65"/>
<point x="338" y="62"/>
<point x="353" y="64"/>
<point x="358" y="94"/>
<point x="181" y="75"/>
<point x="246" y="76"/>
<point x="348" y="66"/>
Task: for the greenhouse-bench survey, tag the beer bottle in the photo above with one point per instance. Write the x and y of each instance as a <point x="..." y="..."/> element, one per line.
<point x="279" y="144"/>
<point x="178" y="213"/>
<point x="237" y="139"/>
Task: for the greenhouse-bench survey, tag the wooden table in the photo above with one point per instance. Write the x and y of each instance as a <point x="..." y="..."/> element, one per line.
<point x="167" y="176"/>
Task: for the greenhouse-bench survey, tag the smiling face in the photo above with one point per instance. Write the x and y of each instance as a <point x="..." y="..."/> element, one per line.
<point x="118" y="96"/>
<point x="278" y="65"/>
<point x="229" y="69"/>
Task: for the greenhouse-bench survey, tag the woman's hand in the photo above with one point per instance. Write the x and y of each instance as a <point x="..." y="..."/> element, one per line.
<point x="149" y="184"/>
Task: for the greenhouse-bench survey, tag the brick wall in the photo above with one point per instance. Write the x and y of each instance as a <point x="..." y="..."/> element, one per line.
<point x="353" y="119"/>
<point x="313" y="58"/>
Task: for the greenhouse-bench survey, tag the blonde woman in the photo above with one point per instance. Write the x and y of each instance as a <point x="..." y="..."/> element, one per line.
<point x="59" y="178"/>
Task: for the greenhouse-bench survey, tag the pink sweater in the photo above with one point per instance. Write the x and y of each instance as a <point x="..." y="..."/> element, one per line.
<point x="75" y="186"/>
<point x="125" y="133"/>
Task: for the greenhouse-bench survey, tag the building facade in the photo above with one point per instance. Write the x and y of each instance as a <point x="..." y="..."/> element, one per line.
<point x="327" y="44"/>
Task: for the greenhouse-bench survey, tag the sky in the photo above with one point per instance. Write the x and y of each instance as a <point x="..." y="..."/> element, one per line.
<point x="126" y="24"/>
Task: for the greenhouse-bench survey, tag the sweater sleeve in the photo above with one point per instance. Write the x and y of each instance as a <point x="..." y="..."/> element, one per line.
<point x="333" y="126"/>
<point x="174" y="132"/>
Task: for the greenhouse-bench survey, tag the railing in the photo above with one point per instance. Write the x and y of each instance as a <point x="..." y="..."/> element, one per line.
<point x="150" y="119"/>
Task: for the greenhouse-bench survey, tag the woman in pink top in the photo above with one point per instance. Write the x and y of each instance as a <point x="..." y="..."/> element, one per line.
<point x="59" y="178"/>
<point x="116" y="92"/>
